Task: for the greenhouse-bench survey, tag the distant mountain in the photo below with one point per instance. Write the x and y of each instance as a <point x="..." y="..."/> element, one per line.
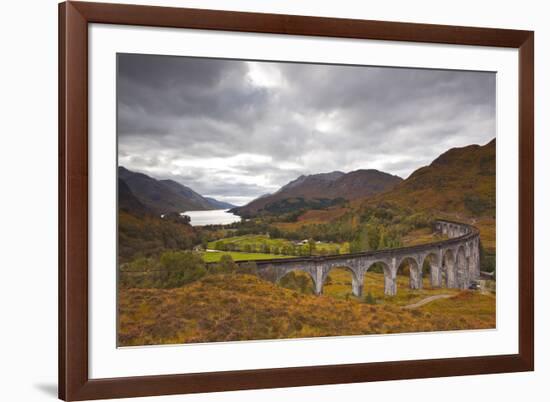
<point x="219" y="204"/>
<point x="320" y="189"/>
<point x="128" y="202"/>
<point x="188" y="194"/>
<point x="461" y="180"/>
<point x="159" y="196"/>
<point x="312" y="181"/>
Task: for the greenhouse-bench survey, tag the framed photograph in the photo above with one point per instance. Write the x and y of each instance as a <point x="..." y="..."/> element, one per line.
<point x="259" y="200"/>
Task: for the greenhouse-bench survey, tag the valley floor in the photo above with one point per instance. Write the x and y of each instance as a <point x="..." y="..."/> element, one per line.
<point x="215" y="256"/>
<point x="233" y="307"/>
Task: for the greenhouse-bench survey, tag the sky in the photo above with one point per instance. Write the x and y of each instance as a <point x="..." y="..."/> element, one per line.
<point x="235" y="130"/>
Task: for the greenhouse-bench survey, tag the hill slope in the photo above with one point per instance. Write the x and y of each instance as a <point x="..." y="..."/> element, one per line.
<point x="161" y="196"/>
<point x="461" y="181"/>
<point x="242" y="307"/>
<point x="128" y="202"/>
<point x="316" y="190"/>
<point x="190" y="195"/>
<point x="219" y="204"/>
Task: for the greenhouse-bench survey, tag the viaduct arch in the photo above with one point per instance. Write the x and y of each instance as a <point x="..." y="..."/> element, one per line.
<point x="453" y="262"/>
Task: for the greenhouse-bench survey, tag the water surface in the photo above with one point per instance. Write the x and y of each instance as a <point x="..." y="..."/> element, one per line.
<point x="213" y="217"/>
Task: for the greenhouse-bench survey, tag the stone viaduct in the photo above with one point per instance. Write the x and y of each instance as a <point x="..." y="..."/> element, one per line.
<point x="453" y="262"/>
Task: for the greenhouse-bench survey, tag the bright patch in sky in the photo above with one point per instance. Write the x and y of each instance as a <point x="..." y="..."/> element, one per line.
<point x="264" y="75"/>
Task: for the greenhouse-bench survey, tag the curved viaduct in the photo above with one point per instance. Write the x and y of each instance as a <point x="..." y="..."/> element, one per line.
<point x="453" y="262"/>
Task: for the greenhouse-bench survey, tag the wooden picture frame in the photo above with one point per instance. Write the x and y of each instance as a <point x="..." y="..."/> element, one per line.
<point x="74" y="381"/>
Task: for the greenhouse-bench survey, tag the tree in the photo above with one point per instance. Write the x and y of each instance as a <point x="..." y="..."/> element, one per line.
<point x="298" y="282"/>
<point x="311" y="246"/>
<point x="227" y="265"/>
<point x="179" y="268"/>
<point x="248" y="268"/>
<point x="373" y="236"/>
<point x="141" y="264"/>
<point x="388" y="238"/>
<point x="487" y="260"/>
<point x="360" y="242"/>
<point x="149" y="236"/>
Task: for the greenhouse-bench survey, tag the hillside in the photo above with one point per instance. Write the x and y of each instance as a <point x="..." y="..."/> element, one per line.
<point x="460" y="182"/>
<point x="128" y="202"/>
<point x="148" y="235"/>
<point x="321" y="191"/>
<point x="242" y="307"/>
<point x="161" y="196"/>
<point x="458" y="185"/>
<point x="190" y="195"/>
<point x="219" y="204"/>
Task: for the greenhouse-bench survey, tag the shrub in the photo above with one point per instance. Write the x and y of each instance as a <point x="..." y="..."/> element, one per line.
<point x="369" y="298"/>
<point x="173" y="269"/>
<point x="487" y="260"/>
<point x="150" y="236"/>
<point x="249" y="268"/>
<point x="298" y="282"/>
<point x="227" y="264"/>
<point x="141" y="264"/>
<point x="477" y="205"/>
<point x="377" y="268"/>
<point x="179" y="268"/>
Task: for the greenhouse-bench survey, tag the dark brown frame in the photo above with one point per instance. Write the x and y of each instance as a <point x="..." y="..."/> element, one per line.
<point x="74" y="383"/>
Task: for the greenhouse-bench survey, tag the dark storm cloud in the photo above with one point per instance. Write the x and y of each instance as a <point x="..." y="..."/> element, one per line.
<point x="236" y="129"/>
<point x="164" y="91"/>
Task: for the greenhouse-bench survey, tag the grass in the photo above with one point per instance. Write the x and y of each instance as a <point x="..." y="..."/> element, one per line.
<point x="475" y="308"/>
<point x="340" y="287"/>
<point x="487" y="232"/>
<point x="243" y="307"/>
<point x="422" y="236"/>
<point x="313" y="216"/>
<point x="212" y="256"/>
<point x="258" y="242"/>
<point x="249" y="240"/>
<point x="459" y="185"/>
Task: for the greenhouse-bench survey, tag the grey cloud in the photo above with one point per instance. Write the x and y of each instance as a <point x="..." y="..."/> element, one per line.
<point x="209" y="186"/>
<point x="321" y="118"/>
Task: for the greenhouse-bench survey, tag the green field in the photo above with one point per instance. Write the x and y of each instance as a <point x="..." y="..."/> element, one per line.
<point x="212" y="256"/>
<point x="263" y="244"/>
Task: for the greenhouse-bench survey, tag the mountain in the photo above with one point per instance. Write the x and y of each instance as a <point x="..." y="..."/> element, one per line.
<point x="188" y="194"/>
<point x="205" y="202"/>
<point x="128" y="202"/>
<point x="159" y="196"/>
<point x="320" y="191"/>
<point x="219" y="204"/>
<point x="311" y="181"/>
<point x="460" y="181"/>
